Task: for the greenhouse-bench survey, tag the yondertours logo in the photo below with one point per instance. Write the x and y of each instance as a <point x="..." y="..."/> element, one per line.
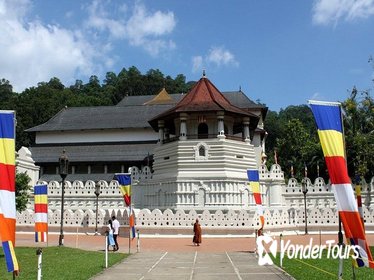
<point x="267" y="245"/>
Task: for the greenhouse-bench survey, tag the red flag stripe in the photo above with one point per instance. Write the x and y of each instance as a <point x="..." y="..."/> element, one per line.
<point x="41" y="208"/>
<point x="337" y="168"/>
<point x="7" y="178"/>
<point x="257" y="197"/>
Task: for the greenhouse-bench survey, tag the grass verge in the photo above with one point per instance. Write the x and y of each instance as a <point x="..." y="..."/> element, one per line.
<point x="59" y="263"/>
<point x="324" y="268"/>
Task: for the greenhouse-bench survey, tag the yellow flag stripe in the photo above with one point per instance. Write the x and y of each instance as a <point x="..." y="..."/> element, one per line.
<point x="332" y="143"/>
<point x="7" y="151"/>
<point x="125" y="189"/>
<point x="41" y="199"/>
<point x="254" y="187"/>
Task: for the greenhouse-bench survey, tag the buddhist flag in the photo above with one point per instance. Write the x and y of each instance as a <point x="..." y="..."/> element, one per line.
<point x="124" y="180"/>
<point x="132" y="224"/>
<point x="7" y="189"/>
<point x="254" y="184"/>
<point x="41" y="213"/>
<point x="329" y="123"/>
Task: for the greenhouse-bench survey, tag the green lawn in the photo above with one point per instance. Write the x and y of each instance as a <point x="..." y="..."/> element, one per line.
<point x="321" y="269"/>
<point x="59" y="263"/>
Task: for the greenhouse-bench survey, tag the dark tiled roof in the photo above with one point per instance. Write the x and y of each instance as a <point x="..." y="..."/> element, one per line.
<point x="93" y="152"/>
<point x="129" y="113"/>
<point x="101" y="117"/>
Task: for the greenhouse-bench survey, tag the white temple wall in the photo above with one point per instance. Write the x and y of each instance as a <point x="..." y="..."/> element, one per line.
<point x="223" y="159"/>
<point x="219" y="204"/>
<point x="114" y="135"/>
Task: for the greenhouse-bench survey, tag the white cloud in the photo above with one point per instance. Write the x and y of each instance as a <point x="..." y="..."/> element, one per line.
<point x="99" y="18"/>
<point x="217" y="56"/>
<point x="331" y="11"/>
<point x="316" y="96"/>
<point x="221" y="56"/>
<point x="141" y="28"/>
<point x="31" y="52"/>
<point x="197" y="63"/>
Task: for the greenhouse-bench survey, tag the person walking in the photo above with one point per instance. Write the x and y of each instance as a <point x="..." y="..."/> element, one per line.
<point x="116" y="226"/>
<point x="197" y="233"/>
<point x="110" y="235"/>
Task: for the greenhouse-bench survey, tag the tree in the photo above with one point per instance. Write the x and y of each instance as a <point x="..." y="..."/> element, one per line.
<point x="298" y="148"/>
<point x="359" y="133"/>
<point x="293" y="135"/>
<point x="22" y="191"/>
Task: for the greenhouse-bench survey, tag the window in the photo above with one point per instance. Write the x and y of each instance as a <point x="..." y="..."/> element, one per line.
<point x="202" y="151"/>
<point x="202" y="131"/>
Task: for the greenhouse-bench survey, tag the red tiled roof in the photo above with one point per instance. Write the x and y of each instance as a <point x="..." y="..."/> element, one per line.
<point x="204" y="96"/>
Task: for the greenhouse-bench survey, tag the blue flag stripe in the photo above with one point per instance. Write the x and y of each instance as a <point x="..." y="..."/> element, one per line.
<point x="253" y="175"/>
<point x="40" y="189"/>
<point x="7" y="125"/>
<point x="124" y="179"/>
<point x="328" y="117"/>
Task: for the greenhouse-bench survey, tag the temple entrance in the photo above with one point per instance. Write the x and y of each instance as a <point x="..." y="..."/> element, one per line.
<point x="202" y="131"/>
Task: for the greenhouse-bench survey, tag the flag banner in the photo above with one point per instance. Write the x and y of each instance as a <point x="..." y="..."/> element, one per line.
<point x="254" y="184"/>
<point x="328" y="118"/>
<point x="41" y="213"/>
<point x="7" y="188"/>
<point x="132" y="224"/>
<point x="124" y="180"/>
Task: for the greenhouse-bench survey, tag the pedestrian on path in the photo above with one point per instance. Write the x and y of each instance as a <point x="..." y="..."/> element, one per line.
<point x="110" y="235"/>
<point x="116" y="225"/>
<point x="197" y="233"/>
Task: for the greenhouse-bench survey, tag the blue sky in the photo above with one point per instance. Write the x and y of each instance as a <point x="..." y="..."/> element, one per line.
<point x="280" y="52"/>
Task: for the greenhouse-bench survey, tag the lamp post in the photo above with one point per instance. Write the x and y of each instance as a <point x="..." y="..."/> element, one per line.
<point x="97" y="193"/>
<point x="304" y="189"/>
<point x="64" y="168"/>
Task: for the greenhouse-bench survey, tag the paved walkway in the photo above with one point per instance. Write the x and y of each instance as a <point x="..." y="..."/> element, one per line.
<point x="175" y="257"/>
<point x="188" y="266"/>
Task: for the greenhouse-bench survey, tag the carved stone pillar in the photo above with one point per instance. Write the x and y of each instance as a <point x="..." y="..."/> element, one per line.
<point x="161" y="125"/>
<point x="220" y="125"/>
<point x="183" y="126"/>
<point x="246" y="127"/>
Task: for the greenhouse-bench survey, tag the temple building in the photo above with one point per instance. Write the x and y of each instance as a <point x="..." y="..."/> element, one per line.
<point x="223" y="132"/>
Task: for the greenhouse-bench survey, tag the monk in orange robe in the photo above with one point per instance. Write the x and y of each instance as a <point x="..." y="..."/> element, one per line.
<point x="197" y="233"/>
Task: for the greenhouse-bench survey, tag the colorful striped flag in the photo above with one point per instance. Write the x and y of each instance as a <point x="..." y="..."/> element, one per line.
<point x="41" y="213"/>
<point x="132" y="224"/>
<point x="254" y="184"/>
<point x="124" y="180"/>
<point x="329" y="122"/>
<point x="7" y="189"/>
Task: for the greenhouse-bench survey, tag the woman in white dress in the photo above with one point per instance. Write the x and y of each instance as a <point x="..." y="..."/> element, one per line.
<point x="110" y="235"/>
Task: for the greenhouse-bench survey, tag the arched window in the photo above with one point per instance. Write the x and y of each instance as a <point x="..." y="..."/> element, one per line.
<point x="202" y="130"/>
<point x="202" y="151"/>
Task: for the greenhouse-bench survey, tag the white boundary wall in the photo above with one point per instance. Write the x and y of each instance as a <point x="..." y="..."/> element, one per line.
<point x="284" y="206"/>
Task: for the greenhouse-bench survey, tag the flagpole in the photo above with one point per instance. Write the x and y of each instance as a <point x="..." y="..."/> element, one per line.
<point x="340" y="233"/>
<point x="129" y="230"/>
<point x="340" y="243"/>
